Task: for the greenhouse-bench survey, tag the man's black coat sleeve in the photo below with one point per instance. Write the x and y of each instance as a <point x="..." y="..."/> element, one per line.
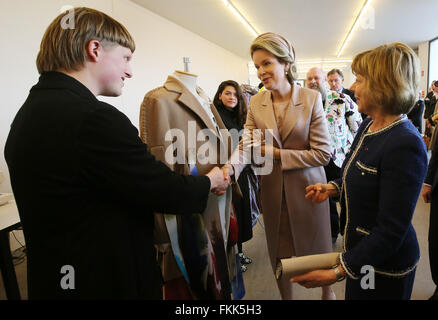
<point x="115" y="161"/>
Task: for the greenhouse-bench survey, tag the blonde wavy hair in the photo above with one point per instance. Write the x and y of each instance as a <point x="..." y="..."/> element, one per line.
<point x="281" y="48"/>
<point x="392" y="75"/>
<point x="65" y="48"/>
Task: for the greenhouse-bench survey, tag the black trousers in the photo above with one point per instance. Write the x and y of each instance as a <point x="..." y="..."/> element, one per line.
<point x="243" y="210"/>
<point x="332" y="172"/>
<point x="433" y="240"/>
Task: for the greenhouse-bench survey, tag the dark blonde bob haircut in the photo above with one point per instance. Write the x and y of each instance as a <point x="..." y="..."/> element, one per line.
<point x="65" y="48"/>
<point x="392" y="75"/>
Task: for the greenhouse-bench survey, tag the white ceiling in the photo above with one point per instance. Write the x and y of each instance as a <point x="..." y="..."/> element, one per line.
<point x="316" y="28"/>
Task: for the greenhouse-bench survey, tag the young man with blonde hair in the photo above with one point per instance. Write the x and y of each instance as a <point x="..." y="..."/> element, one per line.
<point x="86" y="186"/>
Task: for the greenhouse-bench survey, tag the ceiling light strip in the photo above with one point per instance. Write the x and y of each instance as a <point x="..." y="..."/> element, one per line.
<point x="302" y="69"/>
<point x="241" y="18"/>
<point x="325" y="61"/>
<point x="353" y="28"/>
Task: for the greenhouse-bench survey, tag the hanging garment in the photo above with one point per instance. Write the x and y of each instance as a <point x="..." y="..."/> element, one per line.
<point x="193" y="247"/>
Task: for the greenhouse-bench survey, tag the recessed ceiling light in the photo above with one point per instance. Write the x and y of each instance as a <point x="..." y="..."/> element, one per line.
<point x="326" y="61"/>
<point x="354" y="27"/>
<point x="241" y="18"/>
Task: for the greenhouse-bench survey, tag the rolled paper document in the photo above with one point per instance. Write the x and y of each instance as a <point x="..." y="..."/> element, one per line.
<point x="299" y="265"/>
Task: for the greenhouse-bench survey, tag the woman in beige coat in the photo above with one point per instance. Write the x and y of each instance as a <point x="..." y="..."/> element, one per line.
<point x="300" y="149"/>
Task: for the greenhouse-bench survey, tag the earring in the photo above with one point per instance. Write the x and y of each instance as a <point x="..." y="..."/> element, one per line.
<point x="286" y="72"/>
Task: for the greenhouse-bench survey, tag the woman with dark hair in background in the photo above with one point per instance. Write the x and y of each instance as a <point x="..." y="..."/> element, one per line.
<point x="231" y="106"/>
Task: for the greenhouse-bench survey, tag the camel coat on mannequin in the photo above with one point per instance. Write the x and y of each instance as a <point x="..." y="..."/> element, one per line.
<point x="305" y="148"/>
<point x="174" y="107"/>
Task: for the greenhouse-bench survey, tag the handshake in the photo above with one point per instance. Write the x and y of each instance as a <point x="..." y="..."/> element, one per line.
<point x="220" y="179"/>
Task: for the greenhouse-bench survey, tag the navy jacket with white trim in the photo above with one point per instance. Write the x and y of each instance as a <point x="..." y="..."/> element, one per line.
<point x="382" y="177"/>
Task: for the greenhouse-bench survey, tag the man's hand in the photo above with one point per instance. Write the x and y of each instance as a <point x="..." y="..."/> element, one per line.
<point x="426" y="193"/>
<point x="219" y="180"/>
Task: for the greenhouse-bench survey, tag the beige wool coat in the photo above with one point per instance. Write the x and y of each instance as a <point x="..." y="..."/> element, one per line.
<point x="305" y="149"/>
<point x="174" y="107"/>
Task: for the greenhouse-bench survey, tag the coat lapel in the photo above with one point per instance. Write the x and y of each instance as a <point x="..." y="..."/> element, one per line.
<point x="190" y="102"/>
<point x="293" y="112"/>
<point x="268" y="115"/>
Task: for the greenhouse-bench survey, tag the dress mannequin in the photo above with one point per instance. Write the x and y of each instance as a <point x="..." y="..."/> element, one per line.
<point x="197" y="259"/>
<point x="189" y="80"/>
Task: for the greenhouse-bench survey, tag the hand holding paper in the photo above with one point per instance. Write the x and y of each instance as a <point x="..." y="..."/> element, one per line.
<point x="309" y="271"/>
<point x="317" y="278"/>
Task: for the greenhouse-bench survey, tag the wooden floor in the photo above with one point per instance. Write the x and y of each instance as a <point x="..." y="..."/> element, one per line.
<point x="259" y="279"/>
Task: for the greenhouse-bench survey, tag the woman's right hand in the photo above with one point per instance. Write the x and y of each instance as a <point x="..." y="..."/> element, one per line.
<point x="320" y="192"/>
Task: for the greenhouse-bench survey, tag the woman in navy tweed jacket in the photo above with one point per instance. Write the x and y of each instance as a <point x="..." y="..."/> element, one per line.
<point x="381" y="180"/>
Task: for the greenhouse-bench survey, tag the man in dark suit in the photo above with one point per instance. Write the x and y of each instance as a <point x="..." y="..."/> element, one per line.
<point x="350" y="93"/>
<point x="85" y="185"/>
<point x="430" y="103"/>
<point x="335" y="78"/>
<point x="415" y="115"/>
<point x="430" y="195"/>
<point x="431" y="100"/>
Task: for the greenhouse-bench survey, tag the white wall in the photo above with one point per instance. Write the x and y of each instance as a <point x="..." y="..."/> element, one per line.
<point x="433" y="61"/>
<point x="161" y="46"/>
<point x="423" y="54"/>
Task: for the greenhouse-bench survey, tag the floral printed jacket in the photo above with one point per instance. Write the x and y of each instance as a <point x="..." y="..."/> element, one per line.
<point x="343" y="119"/>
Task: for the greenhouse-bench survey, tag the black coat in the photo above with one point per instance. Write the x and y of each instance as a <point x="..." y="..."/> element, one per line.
<point x="349" y="93"/>
<point x="242" y="205"/>
<point x="429" y="105"/>
<point x="86" y="188"/>
<point x="432" y="180"/>
<point x="415" y="115"/>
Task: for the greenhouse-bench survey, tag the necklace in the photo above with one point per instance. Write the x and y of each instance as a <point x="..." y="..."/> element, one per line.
<point x="385" y="124"/>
